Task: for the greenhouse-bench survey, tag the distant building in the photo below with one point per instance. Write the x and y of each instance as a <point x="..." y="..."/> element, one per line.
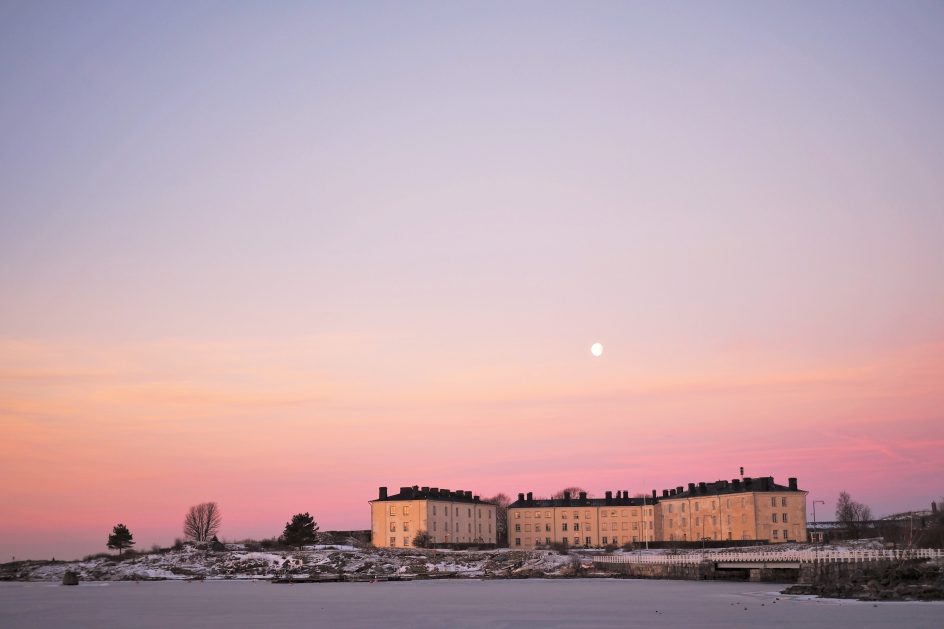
<point x="449" y="517"/>
<point x="748" y="509"/>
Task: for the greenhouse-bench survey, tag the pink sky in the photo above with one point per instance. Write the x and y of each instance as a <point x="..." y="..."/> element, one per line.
<point x="278" y="257"/>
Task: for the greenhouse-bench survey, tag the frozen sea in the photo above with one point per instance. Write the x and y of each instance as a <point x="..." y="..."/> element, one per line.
<point x="515" y="603"/>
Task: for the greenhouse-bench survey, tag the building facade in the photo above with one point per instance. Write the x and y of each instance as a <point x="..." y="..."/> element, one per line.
<point x="742" y="509"/>
<point x="449" y="517"/>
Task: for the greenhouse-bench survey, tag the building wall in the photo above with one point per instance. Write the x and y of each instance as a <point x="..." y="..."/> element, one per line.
<point x="394" y="523"/>
<point x="586" y="525"/>
<point x="734" y="516"/>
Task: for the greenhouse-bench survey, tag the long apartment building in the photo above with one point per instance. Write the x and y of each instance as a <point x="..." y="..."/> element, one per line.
<point x="742" y="509"/>
<point x="449" y="517"/>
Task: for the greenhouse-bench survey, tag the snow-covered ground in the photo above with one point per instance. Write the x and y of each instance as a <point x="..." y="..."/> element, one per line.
<point x="547" y="604"/>
<point x="238" y="563"/>
<point x="191" y="563"/>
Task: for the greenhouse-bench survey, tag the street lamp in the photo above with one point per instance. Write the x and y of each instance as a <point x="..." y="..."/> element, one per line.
<point x="822" y="502"/>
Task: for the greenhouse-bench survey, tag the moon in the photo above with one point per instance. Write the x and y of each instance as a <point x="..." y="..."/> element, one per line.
<point x="597" y="349"/>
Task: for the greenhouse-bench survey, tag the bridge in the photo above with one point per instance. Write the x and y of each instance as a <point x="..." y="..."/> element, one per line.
<point x="758" y="565"/>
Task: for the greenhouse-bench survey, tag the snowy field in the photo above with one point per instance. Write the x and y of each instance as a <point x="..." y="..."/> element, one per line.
<point x="468" y="603"/>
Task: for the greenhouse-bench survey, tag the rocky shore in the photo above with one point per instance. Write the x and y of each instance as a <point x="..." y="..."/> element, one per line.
<point x="893" y="581"/>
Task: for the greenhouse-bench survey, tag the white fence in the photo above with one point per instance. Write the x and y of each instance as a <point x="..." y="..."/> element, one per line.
<point x="801" y="556"/>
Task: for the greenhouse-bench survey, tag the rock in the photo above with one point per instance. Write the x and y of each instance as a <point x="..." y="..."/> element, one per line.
<point x="70" y="578"/>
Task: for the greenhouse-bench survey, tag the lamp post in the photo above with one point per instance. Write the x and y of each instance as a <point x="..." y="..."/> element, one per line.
<point x="822" y="502"/>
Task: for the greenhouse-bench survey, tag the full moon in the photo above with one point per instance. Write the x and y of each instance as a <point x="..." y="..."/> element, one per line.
<point x="596" y="349"/>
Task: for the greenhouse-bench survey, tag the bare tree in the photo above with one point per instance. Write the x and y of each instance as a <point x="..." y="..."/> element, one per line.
<point x="853" y="515"/>
<point x="573" y="491"/>
<point x="202" y="521"/>
<point x="501" y="517"/>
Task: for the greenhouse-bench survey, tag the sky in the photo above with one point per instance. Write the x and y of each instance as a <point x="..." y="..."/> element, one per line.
<point x="276" y="255"/>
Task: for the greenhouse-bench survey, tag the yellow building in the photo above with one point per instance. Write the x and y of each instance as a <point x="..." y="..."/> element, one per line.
<point x="748" y="509"/>
<point x="449" y="517"/>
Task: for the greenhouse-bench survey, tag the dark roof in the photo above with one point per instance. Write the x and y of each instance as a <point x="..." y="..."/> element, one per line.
<point x="430" y="493"/>
<point x="577" y="502"/>
<point x="736" y="486"/>
<point x="720" y="487"/>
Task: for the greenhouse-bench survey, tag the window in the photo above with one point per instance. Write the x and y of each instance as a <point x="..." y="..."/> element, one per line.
<point x="576" y="515"/>
<point x="480" y="527"/>
<point x="489" y="527"/>
<point x="697" y="506"/>
<point x="457" y="511"/>
<point x="563" y="515"/>
<point x="729" y="520"/>
<point x="470" y="527"/>
<point x="547" y="528"/>
<point x="605" y="526"/>
<point x="537" y="514"/>
<point x="470" y="512"/>
<point x="393" y="510"/>
<point x="783" y="517"/>
<point x="783" y="502"/>
<point x="615" y="540"/>
<point x="683" y="521"/>
<point x="635" y="526"/>
<point x="517" y="528"/>
<point x="434" y="509"/>
<point x="489" y="514"/>
<point x="457" y="527"/>
<point x="697" y="521"/>
<point x="406" y="527"/>
<point x="547" y="540"/>
<point x="773" y="516"/>
<point x="527" y="515"/>
<point x="773" y="501"/>
<point x="406" y="541"/>
<point x="744" y="519"/>
<point x="785" y="534"/>
<point x="603" y="513"/>
<point x="586" y="541"/>
<point x="604" y="541"/>
<point x="671" y="523"/>
<point x="623" y="513"/>
<point x="393" y="541"/>
<point x="480" y="513"/>
<point x="670" y="508"/>
<point x="729" y="506"/>
<point x="406" y="509"/>
<point x="586" y="514"/>
<point x="393" y="527"/>
<point x="547" y="514"/>
<point x="576" y="526"/>
<point x="776" y="534"/>
<point x="434" y="524"/>
<point x="563" y="526"/>
<point x="714" y="520"/>
<point x="517" y="541"/>
<point x="517" y="515"/>
<point x="612" y="513"/>
<point x="683" y="508"/>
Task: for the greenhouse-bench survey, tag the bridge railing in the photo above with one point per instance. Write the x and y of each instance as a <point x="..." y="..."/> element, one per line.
<point x="788" y="556"/>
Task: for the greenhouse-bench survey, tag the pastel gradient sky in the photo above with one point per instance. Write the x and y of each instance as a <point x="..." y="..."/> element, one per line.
<point x="278" y="254"/>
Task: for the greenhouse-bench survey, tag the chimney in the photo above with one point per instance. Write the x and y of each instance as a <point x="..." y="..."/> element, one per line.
<point x="703" y="488"/>
<point x="609" y="497"/>
<point x="793" y="483"/>
<point x="434" y="491"/>
<point x="691" y="488"/>
<point x="566" y="497"/>
<point x="416" y="487"/>
<point x="665" y="493"/>
<point x="425" y="490"/>
<point x="383" y="493"/>
<point x="653" y="494"/>
<point x="475" y="498"/>
<point x="521" y="497"/>
<point x="737" y="484"/>
<point x="530" y="496"/>
<point x="679" y="489"/>
<point x="468" y="494"/>
<point x="583" y="497"/>
<point x="748" y="482"/>
<point x="672" y="492"/>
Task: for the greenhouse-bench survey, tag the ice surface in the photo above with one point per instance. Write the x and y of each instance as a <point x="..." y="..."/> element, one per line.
<point x="465" y="603"/>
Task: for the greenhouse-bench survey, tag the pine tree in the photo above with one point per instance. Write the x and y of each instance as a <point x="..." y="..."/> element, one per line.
<point x="300" y="531"/>
<point x="120" y="538"/>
